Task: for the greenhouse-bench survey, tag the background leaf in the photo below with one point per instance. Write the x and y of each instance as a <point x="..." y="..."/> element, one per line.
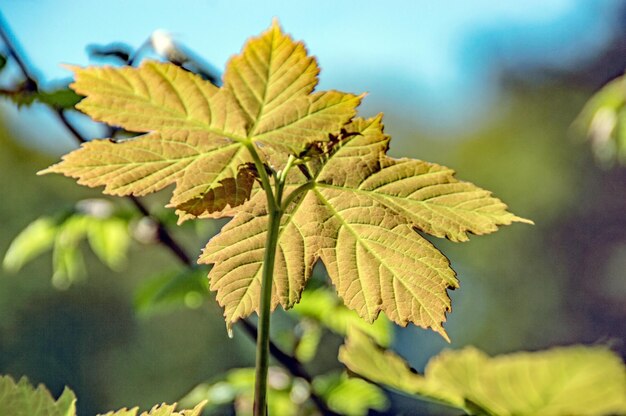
<point x="95" y="220"/>
<point x="22" y="399"/>
<point x="575" y="380"/>
<point x="603" y="119"/>
<point x="34" y="240"/>
<point x="188" y="287"/>
<point x="326" y="308"/>
<point x="350" y="396"/>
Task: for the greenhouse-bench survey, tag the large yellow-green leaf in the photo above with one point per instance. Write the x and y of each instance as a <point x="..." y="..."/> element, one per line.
<point x="575" y="380"/>
<point x="22" y="399"/>
<point x="237" y="254"/>
<point x="358" y="217"/>
<point x="197" y="134"/>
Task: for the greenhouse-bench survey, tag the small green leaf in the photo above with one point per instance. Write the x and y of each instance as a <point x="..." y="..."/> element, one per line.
<point x="308" y="340"/>
<point x="22" y="399"/>
<point x="109" y="239"/>
<point x="188" y="287"/>
<point x="67" y="261"/>
<point x="350" y="396"/>
<point x="326" y="308"/>
<point x="3" y="61"/>
<point x="604" y="120"/>
<point x="62" y="98"/>
<point x="37" y="238"/>
<point x="575" y="380"/>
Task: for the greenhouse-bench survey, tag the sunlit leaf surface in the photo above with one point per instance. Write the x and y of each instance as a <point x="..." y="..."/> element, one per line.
<point x="359" y="217"/>
<point x="575" y="380"/>
<point x="22" y="399"/>
<point x="347" y="203"/>
<point x="195" y="133"/>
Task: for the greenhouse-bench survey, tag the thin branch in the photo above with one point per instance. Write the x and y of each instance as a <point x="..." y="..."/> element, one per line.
<point x="64" y="120"/>
<point x="11" y="44"/>
<point x="164" y="235"/>
<point x="294" y="366"/>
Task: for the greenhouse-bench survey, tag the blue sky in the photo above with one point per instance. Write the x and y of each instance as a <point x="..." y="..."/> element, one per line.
<point x="433" y="59"/>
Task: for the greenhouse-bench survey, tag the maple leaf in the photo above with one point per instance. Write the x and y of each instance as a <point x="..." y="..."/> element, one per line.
<point x="198" y="136"/>
<point x="357" y="215"/>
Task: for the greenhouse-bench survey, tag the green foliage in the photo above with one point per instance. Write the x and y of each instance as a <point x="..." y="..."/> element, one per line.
<point x="604" y="120"/>
<point x="574" y="380"/>
<point x="93" y="220"/>
<point x="22" y="399"/>
<point x="325" y="308"/>
<point x="37" y="238"/>
<point x="287" y="396"/>
<point x="61" y="98"/>
<point x="305" y="180"/>
<point x="188" y="287"/>
<point x="349" y="396"/>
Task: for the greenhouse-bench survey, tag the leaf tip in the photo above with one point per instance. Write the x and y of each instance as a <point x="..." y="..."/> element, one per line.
<point x="49" y="169"/>
<point x="275" y="24"/>
<point x="71" y="67"/>
<point x="443" y="333"/>
<point x="523" y="220"/>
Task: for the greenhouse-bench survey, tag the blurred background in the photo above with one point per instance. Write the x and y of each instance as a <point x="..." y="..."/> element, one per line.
<point x="488" y="88"/>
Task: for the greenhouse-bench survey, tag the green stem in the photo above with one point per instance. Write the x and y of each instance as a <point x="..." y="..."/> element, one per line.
<point x="263" y="337"/>
<point x="265" y="180"/>
<point x="262" y="346"/>
<point x="275" y="213"/>
<point x="294" y="194"/>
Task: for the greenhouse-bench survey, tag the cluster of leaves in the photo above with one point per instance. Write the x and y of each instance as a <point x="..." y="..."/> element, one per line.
<point x="561" y="381"/>
<point x="573" y="380"/>
<point x="604" y="120"/>
<point x="288" y="396"/>
<point x="347" y="203"/>
<point x="22" y="399"/>
<point x="97" y="221"/>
